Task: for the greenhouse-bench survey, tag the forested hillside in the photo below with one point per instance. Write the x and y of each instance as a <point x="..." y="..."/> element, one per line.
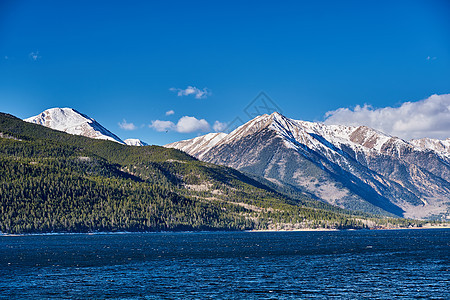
<point x="55" y="182"/>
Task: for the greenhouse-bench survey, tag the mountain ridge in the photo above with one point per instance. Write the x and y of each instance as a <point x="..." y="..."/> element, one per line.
<point x="51" y="181"/>
<point x="355" y="165"/>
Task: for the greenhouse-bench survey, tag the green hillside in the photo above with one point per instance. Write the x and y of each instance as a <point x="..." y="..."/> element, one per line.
<point x="55" y="182"/>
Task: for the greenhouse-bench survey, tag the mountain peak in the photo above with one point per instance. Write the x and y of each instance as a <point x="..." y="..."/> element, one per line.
<point x="277" y="114"/>
<point x="74" y="122"/>
<point x="135" y="142"/>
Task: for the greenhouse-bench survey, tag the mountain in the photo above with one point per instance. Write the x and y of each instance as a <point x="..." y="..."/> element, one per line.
<point x="353" y="167"/>
<point x="135" y="142"/>
<point x="72" y="121"/>
<point x="51" y="181"/>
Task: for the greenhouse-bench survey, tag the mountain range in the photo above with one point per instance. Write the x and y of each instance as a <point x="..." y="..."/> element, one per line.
<point x="352" y="167"/>
<point x="51" y="181"/>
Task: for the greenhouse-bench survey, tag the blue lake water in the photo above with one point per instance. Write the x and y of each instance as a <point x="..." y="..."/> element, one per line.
<point x="228" y="265"/>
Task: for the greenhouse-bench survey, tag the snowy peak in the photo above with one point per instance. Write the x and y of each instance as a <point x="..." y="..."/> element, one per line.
<point x="135" y="142"/>
<point x="73" y="122"/>
<point x="274" y="121"/>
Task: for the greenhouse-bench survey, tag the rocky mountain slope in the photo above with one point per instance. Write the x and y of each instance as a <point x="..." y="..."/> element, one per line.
<point x="352" y="167"/>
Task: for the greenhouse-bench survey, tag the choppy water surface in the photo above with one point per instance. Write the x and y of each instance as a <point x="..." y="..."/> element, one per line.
<point x="230" y="265"/>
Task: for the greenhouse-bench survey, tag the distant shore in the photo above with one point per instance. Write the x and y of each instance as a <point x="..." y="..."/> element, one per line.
<point x="333" y="229"/>
<point x="444" y="226"/>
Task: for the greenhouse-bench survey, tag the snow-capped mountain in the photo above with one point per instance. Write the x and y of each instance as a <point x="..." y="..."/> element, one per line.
<point x="71" y="121"/>
<point x="355" y="167"/>
<point x="135" y="142"/>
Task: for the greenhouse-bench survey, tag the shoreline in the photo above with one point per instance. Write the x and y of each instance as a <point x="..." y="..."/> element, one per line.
<point x="218" y="231"/>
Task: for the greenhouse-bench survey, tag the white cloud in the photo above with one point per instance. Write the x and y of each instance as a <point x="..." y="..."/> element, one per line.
<point x="431" y="57"/>
<point x="185" y="124"/>
<point x="192" y="90"/>
<point x="191" y="124"/>
<point x="219" y="126"/>
<point x="426" y="118"/>
<point x="34" y="55"/>
<point x="160" y="126"/>
<point x="169" y="112"/>
<point x="127" y="126"/>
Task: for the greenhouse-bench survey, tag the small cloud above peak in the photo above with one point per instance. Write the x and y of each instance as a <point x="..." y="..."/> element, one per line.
<point x="192" y="90"/>
<point x="185" y="124"/>
<point x="169" y="112"/>
<point x="161" y="126"/>
<point x="191" y="124"/>
<point x="219" y="126"/>
<point x="127" y="126"/>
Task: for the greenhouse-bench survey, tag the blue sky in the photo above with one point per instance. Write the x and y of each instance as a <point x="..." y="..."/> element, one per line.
<point x="134" y="60"/>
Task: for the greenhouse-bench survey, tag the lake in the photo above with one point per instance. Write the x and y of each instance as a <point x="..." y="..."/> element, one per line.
<point x="382" y="264"/>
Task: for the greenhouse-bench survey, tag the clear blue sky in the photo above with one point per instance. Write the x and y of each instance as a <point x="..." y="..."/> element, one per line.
<point x="116" y="60"/>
